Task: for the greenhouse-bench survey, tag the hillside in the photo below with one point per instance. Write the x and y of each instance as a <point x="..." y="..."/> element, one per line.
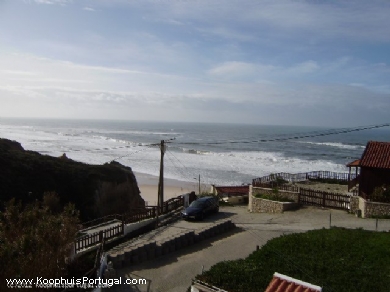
<point x="96" y="190"/>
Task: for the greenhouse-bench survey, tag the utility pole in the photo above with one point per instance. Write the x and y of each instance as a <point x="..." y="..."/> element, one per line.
<point x="199" y="184"/>
<point x="160" y="201"/>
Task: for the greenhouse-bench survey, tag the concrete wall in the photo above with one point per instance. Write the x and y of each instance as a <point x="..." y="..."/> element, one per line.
<point x="138" y="225"/>
<point x="250" y="199"/>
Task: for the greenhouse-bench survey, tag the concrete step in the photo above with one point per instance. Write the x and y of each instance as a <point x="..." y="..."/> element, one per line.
<point x="143" y="250"/>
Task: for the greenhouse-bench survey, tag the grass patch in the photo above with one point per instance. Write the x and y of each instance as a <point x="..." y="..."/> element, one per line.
<point x="336" y="259"/>
<point x="274" y="196"/>
<point x="381" y="217"/>
<point x="329" y="181"/>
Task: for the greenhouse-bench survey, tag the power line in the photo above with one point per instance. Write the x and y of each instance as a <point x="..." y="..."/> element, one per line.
<point x="178" y="169"/>
<point x="143" y="149"/>
<point x="294" y="137"/>
<point x="181" y="172"/>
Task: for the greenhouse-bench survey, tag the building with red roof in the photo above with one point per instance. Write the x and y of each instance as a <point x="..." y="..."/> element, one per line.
<point x="282" y="283"/>
<point x="374" y="167"/>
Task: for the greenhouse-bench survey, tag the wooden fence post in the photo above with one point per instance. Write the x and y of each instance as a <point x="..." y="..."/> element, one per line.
<point x="323" y="199"/>
<point x="101" y="236"/>
<point x="123" y="227"/>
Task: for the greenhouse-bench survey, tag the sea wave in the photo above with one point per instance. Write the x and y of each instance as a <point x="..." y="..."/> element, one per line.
<point x="217" y="164"/>
<point x="334" y="144"/>
<point x="194" y="151"/>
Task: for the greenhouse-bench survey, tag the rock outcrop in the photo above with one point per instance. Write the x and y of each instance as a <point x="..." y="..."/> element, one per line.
<point x="96" y="190"/>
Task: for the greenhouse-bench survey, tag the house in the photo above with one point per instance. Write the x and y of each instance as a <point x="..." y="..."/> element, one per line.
<point x="282" y="283"/>
<point x="232" y="194"/>
<point x="374" y="168"/>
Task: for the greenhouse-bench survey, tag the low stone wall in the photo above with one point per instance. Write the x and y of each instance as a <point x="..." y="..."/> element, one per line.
<point x="354" y="204"/>
<point x="369" y="209"/>
<point x="258" y="205"/>
<point x="267" y="206"/>
<point x="376" y="209"/>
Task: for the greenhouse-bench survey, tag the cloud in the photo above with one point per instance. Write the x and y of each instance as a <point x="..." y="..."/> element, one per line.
<point x="304" y="68"/>
<point x="233" y="69"/>
<point x="231" y="81"/>
<point x="89" y="9"/>
<point x="254" y="60"/>
<point x="228" y="33"/>
<point x="61" y="2"/>
<point x="356" y="20"/>
<point x="18" y="73"/>
<point x="316" y="105"/>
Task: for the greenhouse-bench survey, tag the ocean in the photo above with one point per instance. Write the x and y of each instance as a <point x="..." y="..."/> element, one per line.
<point x="222" y="154"/>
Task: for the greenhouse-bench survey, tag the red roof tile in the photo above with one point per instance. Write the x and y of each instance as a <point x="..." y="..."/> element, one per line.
<point x="244" y="190"/>
<point x="376" y="154"/>
<point x="282" y="283"/>
<point x="354" y="163"/>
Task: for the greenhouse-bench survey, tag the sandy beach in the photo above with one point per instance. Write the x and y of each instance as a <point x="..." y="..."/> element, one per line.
<point x="148" y="185"/>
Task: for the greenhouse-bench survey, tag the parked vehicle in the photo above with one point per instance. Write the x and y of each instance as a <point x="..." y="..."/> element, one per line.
<point x="201" y="207"/>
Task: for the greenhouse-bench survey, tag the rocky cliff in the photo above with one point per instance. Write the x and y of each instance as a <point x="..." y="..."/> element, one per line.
<point x="96" y="190"/>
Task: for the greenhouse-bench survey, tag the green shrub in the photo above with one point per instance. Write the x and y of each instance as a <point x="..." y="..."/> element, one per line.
<point x="35" y="241"/>
<point x="275" y="196"/>
<point x="329" y="181"/>
<point x="381" y="194"/>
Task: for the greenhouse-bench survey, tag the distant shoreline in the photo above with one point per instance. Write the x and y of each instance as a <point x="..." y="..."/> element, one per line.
<point x="148" y="185"/>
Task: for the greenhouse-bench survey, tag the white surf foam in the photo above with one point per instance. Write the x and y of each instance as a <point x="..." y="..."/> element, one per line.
<point x="334" y="144"/>
<point x="223" y="168"/>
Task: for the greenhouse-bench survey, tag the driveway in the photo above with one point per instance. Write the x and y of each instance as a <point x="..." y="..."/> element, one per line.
<point x="174" y="271"/>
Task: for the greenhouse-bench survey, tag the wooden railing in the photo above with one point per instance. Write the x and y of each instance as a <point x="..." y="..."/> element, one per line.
<point x="132" y="217"/>
<point x="297" y="177"/>
<point x="135" y="215"/>
<point x="281" y="175"/>
<point x="172" y="204"/>
<point x="339" y="176"/>
<point x="324" y="199"/>
<point x="92" y="239"/>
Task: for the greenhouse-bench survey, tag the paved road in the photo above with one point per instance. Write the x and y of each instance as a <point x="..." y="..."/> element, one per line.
<point x="174" y="272"/>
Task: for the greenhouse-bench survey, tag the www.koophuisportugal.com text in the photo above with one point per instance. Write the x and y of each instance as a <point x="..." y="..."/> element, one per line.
<point x="63" y="283"/>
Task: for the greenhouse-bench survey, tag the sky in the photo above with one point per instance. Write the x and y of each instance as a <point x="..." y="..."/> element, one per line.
<point x="322" y="63"/>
